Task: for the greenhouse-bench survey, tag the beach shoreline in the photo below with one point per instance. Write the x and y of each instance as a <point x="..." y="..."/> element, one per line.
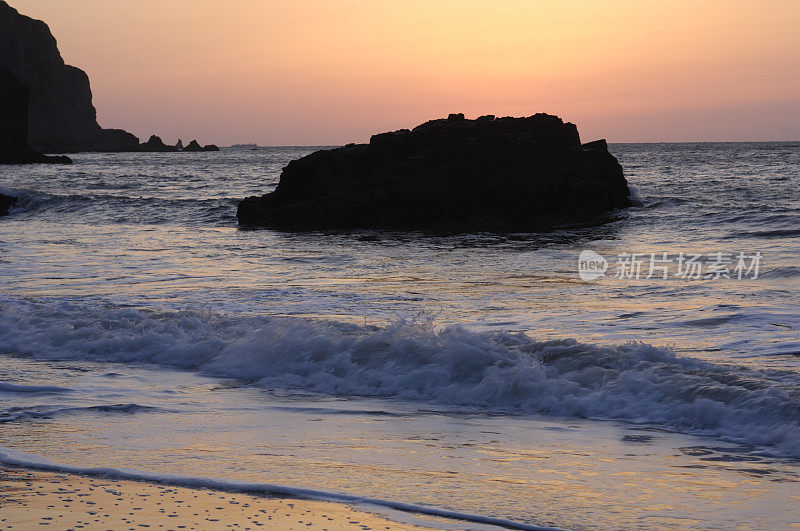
<point x="30" y="498"/>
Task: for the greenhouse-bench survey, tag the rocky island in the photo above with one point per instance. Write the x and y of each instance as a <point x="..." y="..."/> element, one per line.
<point x="193" y="146"/>
<point x="449" y="175"/>
<point x="156" y="145"/>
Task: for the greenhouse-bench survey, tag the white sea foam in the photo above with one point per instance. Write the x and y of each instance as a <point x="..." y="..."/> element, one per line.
<point x="500" y="372"/>
<point x="18" y="459"/>
<point x="634" y="196"/>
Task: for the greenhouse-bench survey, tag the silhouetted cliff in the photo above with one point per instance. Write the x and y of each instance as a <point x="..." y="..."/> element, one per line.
<point x="61" y="115"/>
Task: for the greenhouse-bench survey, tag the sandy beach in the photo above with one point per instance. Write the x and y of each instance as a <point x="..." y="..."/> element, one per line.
<point x="29" y="499"/>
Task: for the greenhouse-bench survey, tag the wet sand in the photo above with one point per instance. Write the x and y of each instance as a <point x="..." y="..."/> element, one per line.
<point x="32" y="499"/>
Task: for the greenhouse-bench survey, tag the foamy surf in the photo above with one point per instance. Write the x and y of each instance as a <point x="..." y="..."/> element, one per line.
<point x="15" y="458"/>
<point x="490" y="372"/>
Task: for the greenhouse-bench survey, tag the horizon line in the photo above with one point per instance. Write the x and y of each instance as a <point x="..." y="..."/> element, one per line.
<point x="608" y="141"/>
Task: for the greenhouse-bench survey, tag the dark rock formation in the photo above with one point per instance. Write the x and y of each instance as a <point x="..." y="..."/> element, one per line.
<point x="31" y="156"/>
<point x="6" y="202"/>
<point x="62" y="117"/>
<point x="13" y="111"/>
<point x="454" y="175"/>
<point x="14" y="98"/>
<point x="114" y="141"/>
<point x="156" y="145"/>
<point x="195" y="147"/>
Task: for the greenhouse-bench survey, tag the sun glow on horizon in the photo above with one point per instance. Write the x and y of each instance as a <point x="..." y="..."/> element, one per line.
<point x="314" y="72"/>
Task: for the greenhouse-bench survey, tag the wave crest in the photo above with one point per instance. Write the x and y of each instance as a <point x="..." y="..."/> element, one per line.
<point x="495" y="372"/>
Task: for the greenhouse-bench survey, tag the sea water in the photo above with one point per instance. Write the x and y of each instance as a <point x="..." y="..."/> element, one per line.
<point x="142" y="329"/>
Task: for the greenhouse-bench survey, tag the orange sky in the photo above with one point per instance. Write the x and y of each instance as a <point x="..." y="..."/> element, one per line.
<point x="330" y="72"/>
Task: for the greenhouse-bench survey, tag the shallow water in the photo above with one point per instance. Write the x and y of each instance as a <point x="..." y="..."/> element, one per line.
<point x="427" y="369"/>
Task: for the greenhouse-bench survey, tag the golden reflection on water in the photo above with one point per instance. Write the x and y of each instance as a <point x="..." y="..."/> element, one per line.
<point x="565" y="473"/>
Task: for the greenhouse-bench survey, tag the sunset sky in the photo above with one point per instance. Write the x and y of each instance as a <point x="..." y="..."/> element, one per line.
<point x="331" y="72"/>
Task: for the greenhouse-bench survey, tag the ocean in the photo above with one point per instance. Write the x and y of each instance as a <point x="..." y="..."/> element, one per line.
<point x="481" y="376"/>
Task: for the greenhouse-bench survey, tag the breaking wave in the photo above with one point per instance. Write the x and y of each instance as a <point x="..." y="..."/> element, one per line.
<point x="491" y="372"/>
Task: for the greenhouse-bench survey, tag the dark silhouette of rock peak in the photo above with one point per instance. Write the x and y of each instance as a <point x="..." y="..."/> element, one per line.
<point x="156" y="145"/>
<point x="193" y="146"/>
